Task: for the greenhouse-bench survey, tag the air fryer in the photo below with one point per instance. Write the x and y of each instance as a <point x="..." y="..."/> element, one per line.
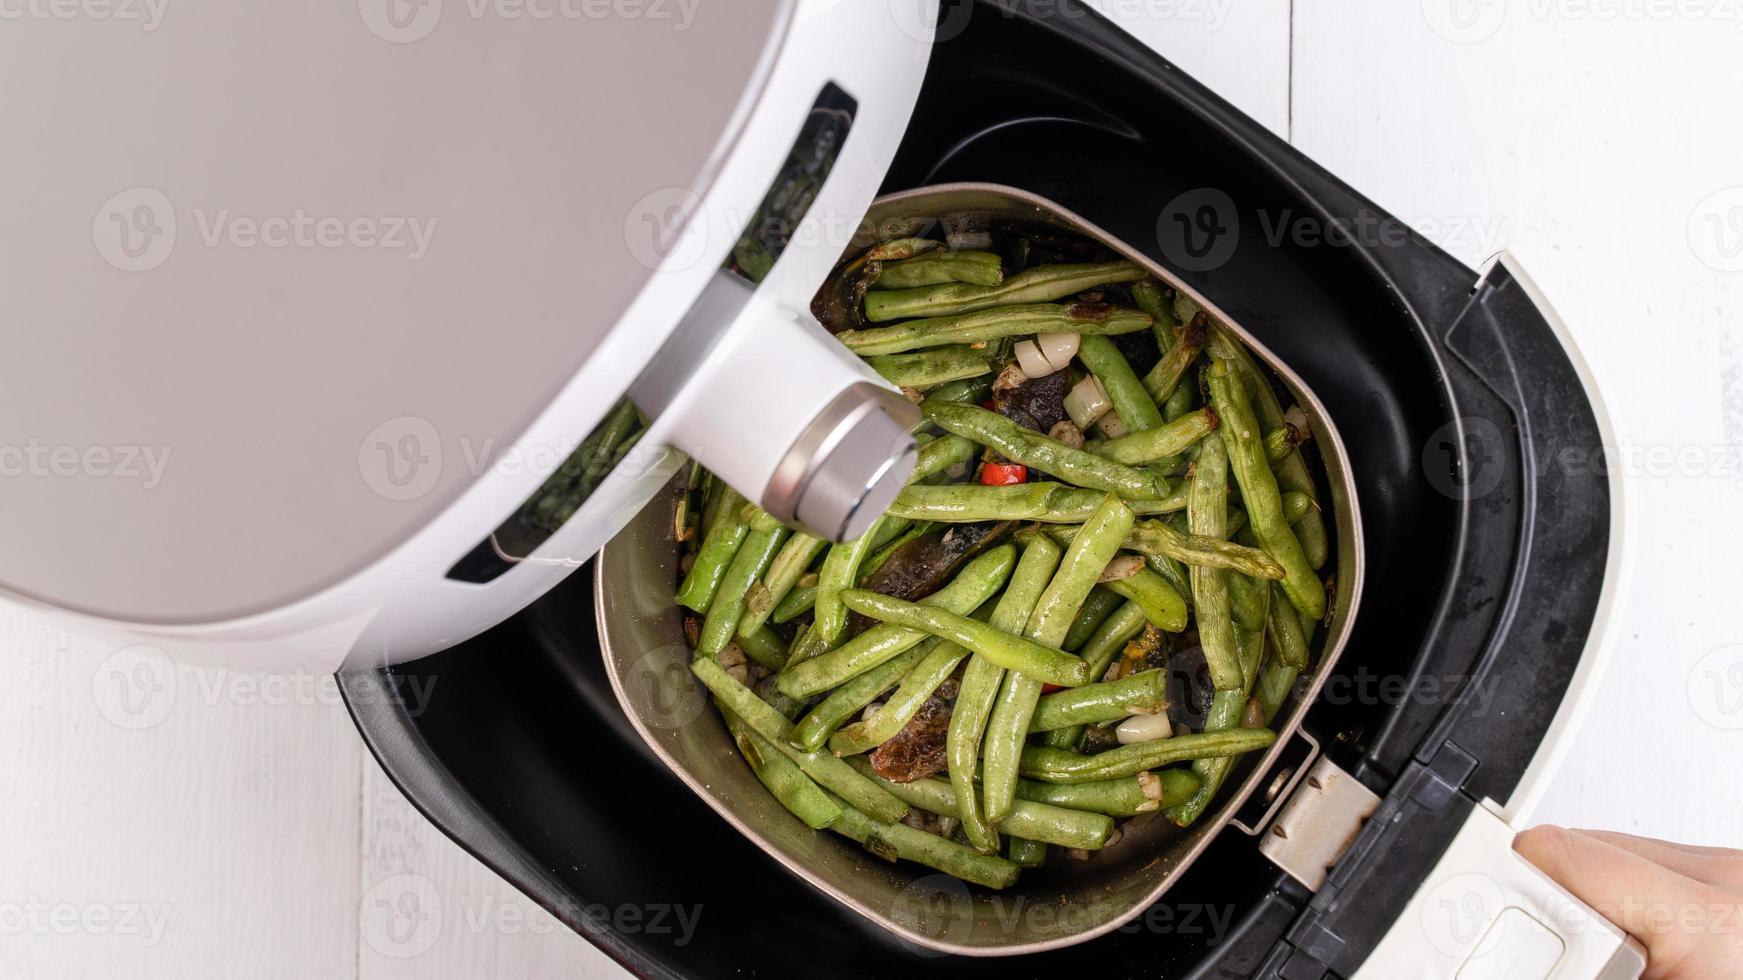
<point x="1490" y="562"/>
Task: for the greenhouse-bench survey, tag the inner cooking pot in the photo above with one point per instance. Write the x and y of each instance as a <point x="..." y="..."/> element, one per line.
<point x="641" y="634"/>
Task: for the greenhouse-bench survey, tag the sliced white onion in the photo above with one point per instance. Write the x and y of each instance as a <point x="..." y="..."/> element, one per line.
<point x="1144" y="728"/>
<point x="959" y="240"/>
<point x="1013" y="376"/>
<point x="1057" y="348"/>
<point x="1067" y="432"/>
<point x="1111" y="425"/>
<point x="1121" y="568"/>
<point x="1030" y="359"/>
<point x="1086" y="402"/>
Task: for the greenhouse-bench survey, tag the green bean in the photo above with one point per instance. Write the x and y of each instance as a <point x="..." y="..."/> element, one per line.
<point x="1246" y="602"/>
<point x="1099" y="652"/>
<point x="1009" y="722"/>
<point x="1224" y="718"/>
<point x="1207" y="515"/>
<point x="829" y="772"/>
<point x="1181" y="402"/>
<point x="1292" y="472"/>
<point x="850" y="698"/>
<point x="923" y="369"/>
<point x="1259" y="491"/>
<point x="1032" y="449"/>
<point x="1251" y="643"/>
<point x="1048" y="665"/>
<point x="718" y="548"/>
<point x="941" y="454"/>
<point x="1280" y="442"/>
<point x="1125" y="392"/>
<point x="1157" y="538"/>
<point x="1062" y="766"/>
<point x="981" y="683"/>
<point x="1038" y="285"/>
<point x="1283" y="627"/>
<point x="782" y="777"/>
<point x="1112" y="636"/>
<point x="894" y="840"/>
<point x="1045" y="501"/>
<point x="978" y="581"/>
<point x="1174" y="573"/>
<point x="1166" y="376"/>
<point x="1276" y="680"/>
<point x="971" y="390"/>
<point x="920" y="683"/>
<point x="1028" y="819"/>
<point x="1148" y="295"/>
<point x="1143" y="693"/>
<point x="1027" y="853"/>
<point x="784" y="572"/>
<point x="763" y="646"/>
<point x="988" y="325"/>
<point x="1085" y="558"/>
<point x="797" y="602"/>
<point x="1095" y="611"/>
<point x="840" y="571"/>
<point x="936" y="268"/>
<point x="1171" y="439"/>
<point x="1125" y="796"/>
<point x="721" y="623"/>
<point x="1162" y="606"/>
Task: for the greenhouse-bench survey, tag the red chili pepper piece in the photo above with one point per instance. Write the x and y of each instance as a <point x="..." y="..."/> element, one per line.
<point x="1003" y="474"/>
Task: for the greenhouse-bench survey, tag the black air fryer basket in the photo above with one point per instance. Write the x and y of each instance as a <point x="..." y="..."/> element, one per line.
<point x="1484" y="566"/>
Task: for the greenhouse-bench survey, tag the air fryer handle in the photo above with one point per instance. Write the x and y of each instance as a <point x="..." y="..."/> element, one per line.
<point x="1484" y="911"/>
<point x="774" y="406"/>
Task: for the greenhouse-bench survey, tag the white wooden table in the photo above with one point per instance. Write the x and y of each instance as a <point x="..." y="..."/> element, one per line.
<point x="245" y="830"/>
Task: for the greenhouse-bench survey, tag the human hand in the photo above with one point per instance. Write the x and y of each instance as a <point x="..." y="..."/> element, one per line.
<point x="1684" y="903"/>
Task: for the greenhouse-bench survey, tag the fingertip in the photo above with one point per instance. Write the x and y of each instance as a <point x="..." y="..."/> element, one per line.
<point x="1546" y="845"/>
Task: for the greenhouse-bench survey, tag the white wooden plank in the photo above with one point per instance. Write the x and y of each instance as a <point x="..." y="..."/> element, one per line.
<point x="129" y="788"/>
<point x="429" y="909"/>
<point x="1239" y="49"/>
<point x="1591" y="144"/>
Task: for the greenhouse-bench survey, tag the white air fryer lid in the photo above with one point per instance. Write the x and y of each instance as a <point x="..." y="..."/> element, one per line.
<point x="262" y="258"/>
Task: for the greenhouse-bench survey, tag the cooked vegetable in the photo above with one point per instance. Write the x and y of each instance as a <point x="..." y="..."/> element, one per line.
<point x="1006" y="321"/>
<point x="1039" y="452"/>
<point x="1038" y="285"/>
<point x="1021" y="686"/>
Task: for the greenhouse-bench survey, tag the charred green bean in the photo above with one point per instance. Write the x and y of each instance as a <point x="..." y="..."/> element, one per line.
<point x="1038" y="285"/>
<point x="1032" y="449"/>
<point x="1143" y="693"/>
<point x="994" y="324"/>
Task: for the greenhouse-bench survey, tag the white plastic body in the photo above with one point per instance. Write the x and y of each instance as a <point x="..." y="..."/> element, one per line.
<point x="1458" y="923"/>
<point x="404" y="606"/>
